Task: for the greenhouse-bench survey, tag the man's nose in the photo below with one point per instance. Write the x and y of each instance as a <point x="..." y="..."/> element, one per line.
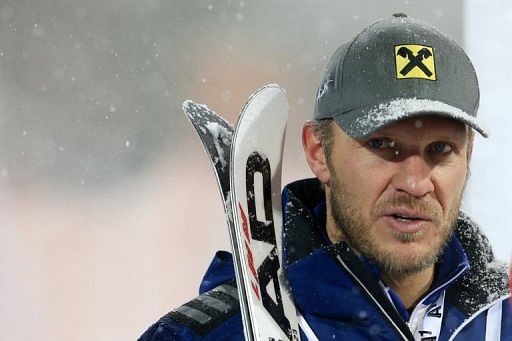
<point x="413" y="175"/>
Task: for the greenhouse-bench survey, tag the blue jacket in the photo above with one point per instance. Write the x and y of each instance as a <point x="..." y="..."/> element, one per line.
<point x="340" y="294"/>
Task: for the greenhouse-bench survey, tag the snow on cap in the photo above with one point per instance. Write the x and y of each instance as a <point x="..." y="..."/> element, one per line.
<point x="398" y="68"/>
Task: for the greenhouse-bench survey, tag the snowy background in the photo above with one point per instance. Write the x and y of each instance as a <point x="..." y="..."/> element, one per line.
<point x="109" y="212"/>
<point x="488" y="36"/>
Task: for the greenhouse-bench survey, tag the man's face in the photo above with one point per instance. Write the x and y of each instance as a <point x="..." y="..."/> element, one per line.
<point x="395" y="195"/>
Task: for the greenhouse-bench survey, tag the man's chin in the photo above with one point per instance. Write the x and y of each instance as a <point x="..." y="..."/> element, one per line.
<point x="406" y="259"/>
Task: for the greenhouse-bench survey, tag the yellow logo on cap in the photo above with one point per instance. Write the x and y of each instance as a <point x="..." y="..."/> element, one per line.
<point x="415" y="61"/>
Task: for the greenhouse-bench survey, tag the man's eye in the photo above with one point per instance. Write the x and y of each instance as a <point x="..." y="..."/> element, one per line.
<point x="441" y="148"/>
<point x="380" y="143"/>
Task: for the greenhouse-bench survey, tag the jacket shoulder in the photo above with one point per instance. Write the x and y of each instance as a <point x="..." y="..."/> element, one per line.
<point x="211" y="315"/>
<point x="487" y="278"/>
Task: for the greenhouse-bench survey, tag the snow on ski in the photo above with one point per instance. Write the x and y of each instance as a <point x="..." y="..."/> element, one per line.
<point x="247" y="167"/>
<point x="216" y="134"/>
<point x="256" y="162"/>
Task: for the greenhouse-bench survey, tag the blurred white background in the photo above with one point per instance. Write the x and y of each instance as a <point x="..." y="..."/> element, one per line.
<point x="109" y="211"/>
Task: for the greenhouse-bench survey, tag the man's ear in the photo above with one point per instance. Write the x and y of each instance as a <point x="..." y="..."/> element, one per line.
<point x="314" y="151"/>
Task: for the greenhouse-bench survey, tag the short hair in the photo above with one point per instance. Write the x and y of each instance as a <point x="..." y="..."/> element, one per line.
<point x="323" y="130"/>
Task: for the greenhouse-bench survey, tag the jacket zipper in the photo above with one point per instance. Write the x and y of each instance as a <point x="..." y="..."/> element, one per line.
<point x="440" y="287"/>
<point x="409" y="337"/>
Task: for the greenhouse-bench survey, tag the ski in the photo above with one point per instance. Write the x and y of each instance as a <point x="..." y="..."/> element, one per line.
<point x="255" y="174"/>
<point x="247" y="166"/>
<point x="216" y="135"/>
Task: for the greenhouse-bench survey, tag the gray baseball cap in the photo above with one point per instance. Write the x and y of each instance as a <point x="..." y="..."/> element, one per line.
<point x="397" y="68"/>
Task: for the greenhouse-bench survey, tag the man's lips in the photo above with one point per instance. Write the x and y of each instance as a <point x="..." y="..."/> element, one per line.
<point x="405" y="220"/>
<point x="407" y="214"/>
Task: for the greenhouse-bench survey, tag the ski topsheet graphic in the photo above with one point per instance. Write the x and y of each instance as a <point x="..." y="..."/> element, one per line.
<point x="256" y="156"/>
<point x="247" y="164"/>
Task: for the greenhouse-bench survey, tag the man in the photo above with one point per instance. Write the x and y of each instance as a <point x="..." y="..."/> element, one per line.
<point x="376" y="248"/>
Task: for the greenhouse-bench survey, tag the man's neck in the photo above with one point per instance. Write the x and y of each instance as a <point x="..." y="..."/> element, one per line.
<point x="410" y="288"/>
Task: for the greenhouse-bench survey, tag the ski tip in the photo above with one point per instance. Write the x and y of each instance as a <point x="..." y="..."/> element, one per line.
<point x="189" y="105"/>
<point x="193" y="108"/>
<point x="270" y="88"/>
<point x="186" y="106"/>
<point x="274" y="85"/>
<point x="196" y="110"/>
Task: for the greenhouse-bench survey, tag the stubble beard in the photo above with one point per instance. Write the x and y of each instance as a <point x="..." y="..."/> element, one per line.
<point x="356" y="231"/>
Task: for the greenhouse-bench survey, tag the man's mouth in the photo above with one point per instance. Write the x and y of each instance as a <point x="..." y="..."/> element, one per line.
<point x="406" y="218"/>
<point x="406" y="221"/>
<point x="407" y="215"/>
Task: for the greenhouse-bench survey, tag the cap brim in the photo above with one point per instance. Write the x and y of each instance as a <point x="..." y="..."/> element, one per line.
<point x="364" y="121"/>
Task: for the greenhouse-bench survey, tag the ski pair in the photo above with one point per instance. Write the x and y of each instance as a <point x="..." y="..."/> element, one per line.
<point x="247" y="164"/>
